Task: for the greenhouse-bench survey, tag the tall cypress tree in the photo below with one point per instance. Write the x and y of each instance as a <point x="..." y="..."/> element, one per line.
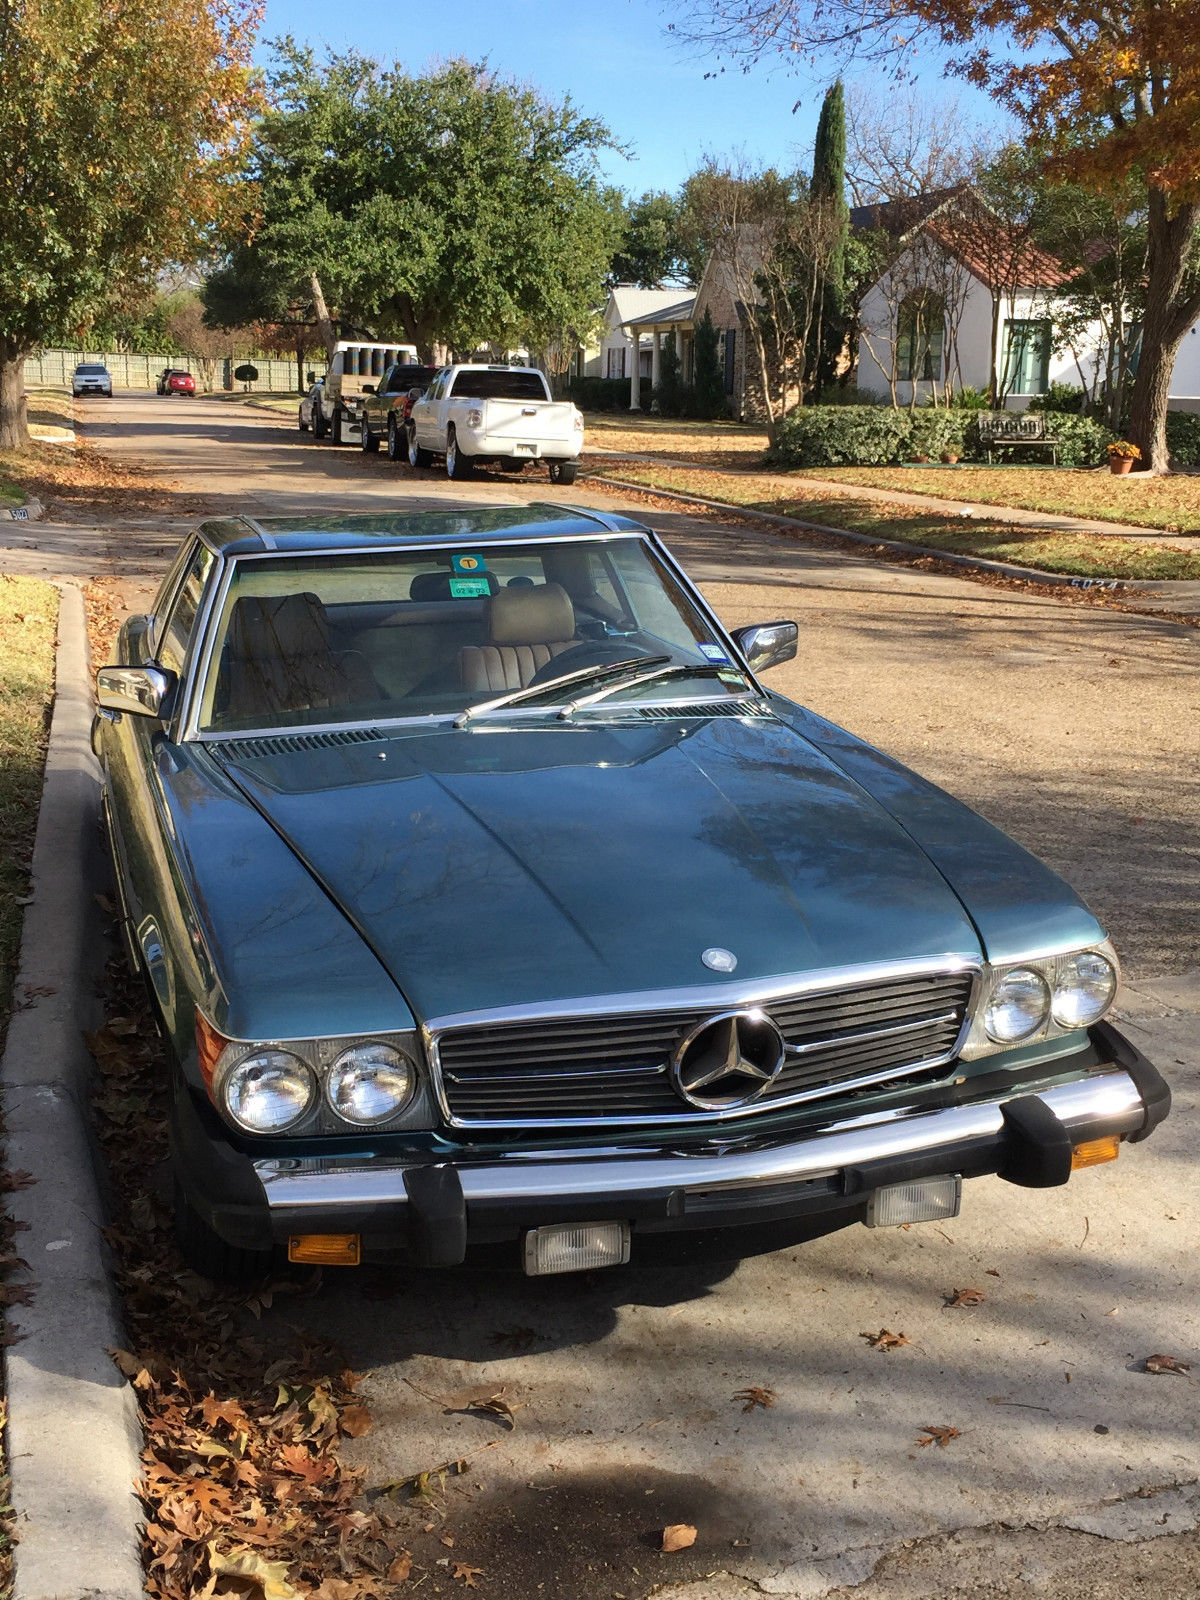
<point x="828" y="186"/>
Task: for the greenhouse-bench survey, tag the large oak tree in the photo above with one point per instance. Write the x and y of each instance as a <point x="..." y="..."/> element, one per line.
<point x="456" y="208"/>
<point x="1114" y="84"/>
<point x="119" y="125"/>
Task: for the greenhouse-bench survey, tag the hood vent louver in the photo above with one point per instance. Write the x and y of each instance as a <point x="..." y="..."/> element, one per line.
<point x="278" y="744"/>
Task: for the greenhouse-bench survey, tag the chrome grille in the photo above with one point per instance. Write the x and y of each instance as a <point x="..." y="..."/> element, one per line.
<point x="615" y="1068"/>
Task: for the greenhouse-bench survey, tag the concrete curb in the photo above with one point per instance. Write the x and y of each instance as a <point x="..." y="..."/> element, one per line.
<point x="973" y="563"/>
<point x="74" y="1437"/>
<point x="31" y="510"/>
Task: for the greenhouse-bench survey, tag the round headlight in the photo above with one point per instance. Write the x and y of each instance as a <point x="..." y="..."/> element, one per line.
<point x="269" y="1091"/>
<point x="369" y="1083"/>
<point x="1018" y="1006"/>
<point x="1086" y="987"/>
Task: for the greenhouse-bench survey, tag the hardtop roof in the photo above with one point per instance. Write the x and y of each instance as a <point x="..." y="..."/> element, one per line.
<point x="330" y="531"/>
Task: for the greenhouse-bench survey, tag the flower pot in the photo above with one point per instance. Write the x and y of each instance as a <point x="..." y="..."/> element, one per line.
<point x="949" y="457"/>
<point x="920" y="460"/>
<point x="1120" y="465"/>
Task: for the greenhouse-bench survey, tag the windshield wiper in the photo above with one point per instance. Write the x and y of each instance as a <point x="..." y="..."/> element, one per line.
<point x="679" y="670"/>
<point x="602" y="669"/>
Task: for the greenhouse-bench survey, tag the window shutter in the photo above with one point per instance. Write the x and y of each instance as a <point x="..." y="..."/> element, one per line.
<point x="730" y="354"/>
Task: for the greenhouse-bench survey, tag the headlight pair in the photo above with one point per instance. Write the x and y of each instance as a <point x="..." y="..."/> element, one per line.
<point x="1044" y="998"/>
<point x="272" y="1088"/>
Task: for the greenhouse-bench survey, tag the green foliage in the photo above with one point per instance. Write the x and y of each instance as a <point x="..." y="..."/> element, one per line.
<point x="246" y="373"/>
<point x="968" y="398"/>
<point x="1183" y="438"/>
<point x="599" y="394"/>
<point x="648" y="254"/>
<point x="455" y="207"/>
<point x="1069" y="398"/>
<point x="709" y="375"/>
<point x="670" y="392"/>
<point x="829" y="184"/>
<point x="879" y="436"/>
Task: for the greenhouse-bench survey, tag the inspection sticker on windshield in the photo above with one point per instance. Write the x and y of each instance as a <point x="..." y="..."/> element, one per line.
<point x="714" y="653"/>
<point x="469" y="588"/>
<point x="471" y="564"/>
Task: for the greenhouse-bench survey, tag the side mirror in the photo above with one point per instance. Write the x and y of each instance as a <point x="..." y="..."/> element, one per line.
<point x="767" y="644"/>
<point x="142" y="691"/>
<point x="368" y="388"/>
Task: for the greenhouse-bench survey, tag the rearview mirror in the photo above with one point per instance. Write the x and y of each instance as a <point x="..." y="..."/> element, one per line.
<point x="142" y="691"/>
<point x="767" y="644"/>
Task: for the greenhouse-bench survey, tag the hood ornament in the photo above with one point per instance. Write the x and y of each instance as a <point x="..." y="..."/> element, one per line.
<point x="719" y="960"/>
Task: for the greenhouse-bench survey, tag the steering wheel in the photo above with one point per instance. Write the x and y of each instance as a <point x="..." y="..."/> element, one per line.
<point x="592" y="653"/>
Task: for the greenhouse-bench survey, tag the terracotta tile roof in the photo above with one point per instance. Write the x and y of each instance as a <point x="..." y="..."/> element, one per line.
<point x="1035" y="268"/>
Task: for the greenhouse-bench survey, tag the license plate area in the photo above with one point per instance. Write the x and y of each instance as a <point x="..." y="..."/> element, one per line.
<point x="575" y="1247"/>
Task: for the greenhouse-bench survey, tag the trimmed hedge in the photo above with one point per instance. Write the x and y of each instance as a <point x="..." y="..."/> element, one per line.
<point x="879" y="436"/>
<point x="603" y="394"/>
<point x="1183" y="438"/>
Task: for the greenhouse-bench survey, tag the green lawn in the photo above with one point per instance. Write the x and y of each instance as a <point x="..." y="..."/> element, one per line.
<point x="28" y="618"/>
<point x="1080" y="555"/>
<point x="1171" y="503"/>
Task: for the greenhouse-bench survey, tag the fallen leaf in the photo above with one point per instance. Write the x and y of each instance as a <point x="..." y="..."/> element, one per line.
<point x="247" y="1574"/>
<point x="992" y="1273"/>
<point x="966" y="1297"/>
<point x="448" y="1540"/>
<point x="885" y="1339"/>
<point x="679" y="1536"/>
<point x="754" y="1396"/>
<point x="941" y="1436"/>
<point x="467" y="1574"/>
<point x="400" y="1569"/>
<point x="355" y="1421"/>
<point x="497" y="1406"/>
<point x="1161" y="1363"/>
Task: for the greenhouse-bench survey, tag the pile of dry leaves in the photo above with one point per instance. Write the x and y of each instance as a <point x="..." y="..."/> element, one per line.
<point x="244" y="1490"/>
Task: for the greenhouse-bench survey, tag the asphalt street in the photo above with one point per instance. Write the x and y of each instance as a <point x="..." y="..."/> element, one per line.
<point x="1074" y="728"/>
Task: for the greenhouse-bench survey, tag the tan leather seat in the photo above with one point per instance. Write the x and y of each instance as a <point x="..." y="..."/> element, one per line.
<point x="278" y="658"/>
<point x="527" y="628"/>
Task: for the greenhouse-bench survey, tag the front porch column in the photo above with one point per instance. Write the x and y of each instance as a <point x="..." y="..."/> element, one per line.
<point x="655" y="366"/>
<point x="635" y="376"/>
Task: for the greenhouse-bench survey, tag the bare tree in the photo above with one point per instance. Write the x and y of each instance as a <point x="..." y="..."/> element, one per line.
<point x="206" y="346"/>
<point x="770" y="246"/>
<point x="906" y="144"/>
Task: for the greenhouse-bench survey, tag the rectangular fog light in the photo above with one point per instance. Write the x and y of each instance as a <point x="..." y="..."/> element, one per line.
<point x="575" y="1247"/>
<point x="923" y="1200"/>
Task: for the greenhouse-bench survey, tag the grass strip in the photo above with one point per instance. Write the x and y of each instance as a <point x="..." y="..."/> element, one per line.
<point x="1170" y="503"/>
<point x="993" y="538"/>
<point x="28" y="621"/>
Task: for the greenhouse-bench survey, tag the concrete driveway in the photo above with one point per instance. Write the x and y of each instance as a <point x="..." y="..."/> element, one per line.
<point x="1075" y="729"/>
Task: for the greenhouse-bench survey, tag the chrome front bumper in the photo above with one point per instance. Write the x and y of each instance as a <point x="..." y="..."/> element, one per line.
<point x="1105" y="1102"/>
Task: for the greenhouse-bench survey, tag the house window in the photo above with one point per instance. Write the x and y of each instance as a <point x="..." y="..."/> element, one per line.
<point x="919" y="336"/>
<point x="1027" y="356"/>
<point x="616" y="363"/>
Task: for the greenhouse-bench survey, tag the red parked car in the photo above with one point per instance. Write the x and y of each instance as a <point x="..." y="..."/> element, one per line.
<point x="173" y="380"/>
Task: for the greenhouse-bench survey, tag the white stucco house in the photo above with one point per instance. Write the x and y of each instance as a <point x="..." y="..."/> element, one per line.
<point x="951" y="294"/>
<point x="628" y="305"/>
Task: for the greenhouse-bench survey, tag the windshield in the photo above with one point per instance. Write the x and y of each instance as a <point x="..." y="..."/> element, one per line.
<point x="521" y="385"/>
<point x="94" y="371"/>
<point x="313" y="640"/>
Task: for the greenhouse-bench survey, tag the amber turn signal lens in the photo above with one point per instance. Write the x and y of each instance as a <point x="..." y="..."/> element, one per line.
<point x="326" y="1249"/>
<point x="1094" y="1151"/>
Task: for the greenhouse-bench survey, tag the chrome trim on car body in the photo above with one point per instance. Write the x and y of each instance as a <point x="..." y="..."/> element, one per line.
<point x="1107" y="1097"/>
<point x="711" y="999"/>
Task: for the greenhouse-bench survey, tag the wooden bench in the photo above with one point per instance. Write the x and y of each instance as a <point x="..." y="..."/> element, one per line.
<point x="1016" y="429"/>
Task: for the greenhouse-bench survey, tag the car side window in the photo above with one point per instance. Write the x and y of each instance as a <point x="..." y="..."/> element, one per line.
<point x="396" y="383"/>
<point x="177" y="633"/>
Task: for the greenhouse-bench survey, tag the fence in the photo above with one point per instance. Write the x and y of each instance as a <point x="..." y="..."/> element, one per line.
<point x="141" y="372"/>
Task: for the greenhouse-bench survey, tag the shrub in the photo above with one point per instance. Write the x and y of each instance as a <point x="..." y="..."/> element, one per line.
<point x="849" y="394"/>
<point x="670" y="391"/>
<point x="969" y="398"/>
<point x="1183" y="438"/>
<point x="709" y="383"/>
<point x="599" y="394"/>
<point x="865" y="436"/>
<point x="246" y="373"/>
<point x="1065" y="397"/>
<point x="1081" y="441"/>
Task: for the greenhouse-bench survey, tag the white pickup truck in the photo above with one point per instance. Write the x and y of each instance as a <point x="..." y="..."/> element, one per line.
<point x="503" y="415"/>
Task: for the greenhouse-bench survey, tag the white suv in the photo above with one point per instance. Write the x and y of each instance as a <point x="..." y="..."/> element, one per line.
<point x="91" y="377"/>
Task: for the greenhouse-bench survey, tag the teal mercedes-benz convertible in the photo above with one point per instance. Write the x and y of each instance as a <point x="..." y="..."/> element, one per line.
<point x="493" y="910"/>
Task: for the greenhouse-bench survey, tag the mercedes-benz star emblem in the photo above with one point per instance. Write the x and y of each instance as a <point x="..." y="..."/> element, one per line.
<point x="728" y="1060"/>
<point x="718" y="959"/>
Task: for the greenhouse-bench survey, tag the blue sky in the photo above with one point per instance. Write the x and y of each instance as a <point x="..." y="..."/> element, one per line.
<point x="615" y="60"/>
